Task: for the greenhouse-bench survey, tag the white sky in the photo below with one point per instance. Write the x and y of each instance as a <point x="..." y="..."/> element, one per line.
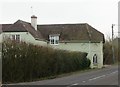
<point x="100" y="14"/>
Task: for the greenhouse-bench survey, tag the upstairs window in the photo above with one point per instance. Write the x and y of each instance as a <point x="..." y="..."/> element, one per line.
<point x="16" y="38"/>
<point x="54" y="39"/>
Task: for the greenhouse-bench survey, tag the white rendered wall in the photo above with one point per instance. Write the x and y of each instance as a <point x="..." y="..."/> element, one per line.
<point x="90" y="48"/>
<point x="25" y="37"/>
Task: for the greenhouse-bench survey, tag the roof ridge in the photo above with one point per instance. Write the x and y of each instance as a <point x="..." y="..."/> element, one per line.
<point x="5" y="24"/>
<point x="21" y="21"/>
<point x="17" y="22"/>
<point x="65" y="24"/>
<point x="12" y="24"/>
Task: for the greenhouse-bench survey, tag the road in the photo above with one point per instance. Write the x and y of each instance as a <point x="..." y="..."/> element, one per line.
<point x="105" y="76"/>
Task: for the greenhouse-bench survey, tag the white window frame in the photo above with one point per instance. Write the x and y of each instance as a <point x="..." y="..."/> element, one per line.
<point x="16" y="36"/>
<point x="54" y="39"/>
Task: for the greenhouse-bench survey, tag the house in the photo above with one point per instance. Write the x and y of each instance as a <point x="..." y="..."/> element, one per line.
<point x="72" y="37"/>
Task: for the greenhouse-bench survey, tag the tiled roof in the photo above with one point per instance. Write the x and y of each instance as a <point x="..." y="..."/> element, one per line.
<point x="3" y="27"/>
<point x="21" y="26"/>
<point x="72" y="32"/>
<point x="68" y="32"/>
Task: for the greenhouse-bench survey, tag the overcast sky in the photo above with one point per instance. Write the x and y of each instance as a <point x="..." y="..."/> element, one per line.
<point x="100" y="14"/>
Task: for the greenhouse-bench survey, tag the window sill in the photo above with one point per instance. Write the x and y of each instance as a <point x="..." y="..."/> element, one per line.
<point x="54" y="44"/>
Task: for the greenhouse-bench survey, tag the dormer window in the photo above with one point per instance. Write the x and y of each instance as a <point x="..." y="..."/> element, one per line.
<point x="54" y="39"/>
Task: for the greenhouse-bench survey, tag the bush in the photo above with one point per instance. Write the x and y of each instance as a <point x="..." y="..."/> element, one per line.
<point x="26" y="62"/>
<point x="108" y="53"/>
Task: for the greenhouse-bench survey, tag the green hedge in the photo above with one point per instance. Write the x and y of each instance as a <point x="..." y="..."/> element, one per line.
<point x="26" y="62"/>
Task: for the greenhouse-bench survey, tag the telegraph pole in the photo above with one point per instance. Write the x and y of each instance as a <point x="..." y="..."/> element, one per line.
<point x="112" y="43"/>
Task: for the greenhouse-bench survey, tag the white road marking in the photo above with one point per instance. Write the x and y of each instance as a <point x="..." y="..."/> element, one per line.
<point x="75" y="84"/>
<point x="97" y="77"/>
<point x="102" y="76"/>
<point x="83" y="81"/>
<point x="93" y="78"/>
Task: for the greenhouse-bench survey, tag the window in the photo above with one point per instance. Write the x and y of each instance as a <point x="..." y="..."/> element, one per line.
<point x="95" y="59"/>
<point x="54" y="40"/>
<point x="16" y="38"/>
<point x="13" y="37"/>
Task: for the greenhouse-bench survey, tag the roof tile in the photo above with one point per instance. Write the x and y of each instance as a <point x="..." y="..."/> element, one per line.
<point x="68" y="32"/>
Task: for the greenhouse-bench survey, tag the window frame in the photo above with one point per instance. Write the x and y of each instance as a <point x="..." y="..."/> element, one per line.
<point x="54" y="39"/>
<point x="13" y="37"/>
<point x="16" y="37"/>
